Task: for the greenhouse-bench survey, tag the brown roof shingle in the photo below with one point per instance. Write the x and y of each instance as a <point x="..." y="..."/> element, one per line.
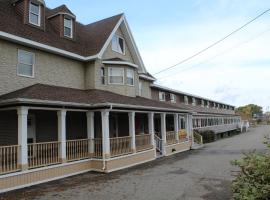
<point x="89" y="38"/>
<point x="91" y="97"/>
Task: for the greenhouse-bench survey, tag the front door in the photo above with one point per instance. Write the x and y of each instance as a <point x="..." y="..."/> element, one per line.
<point x="31" y="129"/>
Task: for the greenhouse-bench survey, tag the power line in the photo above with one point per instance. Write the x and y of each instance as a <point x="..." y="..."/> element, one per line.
<point x="220" y="54"/>
<point x="215" y="43"/>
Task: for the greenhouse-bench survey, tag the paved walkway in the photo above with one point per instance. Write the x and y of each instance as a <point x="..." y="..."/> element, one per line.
<point x="199" y="174"/>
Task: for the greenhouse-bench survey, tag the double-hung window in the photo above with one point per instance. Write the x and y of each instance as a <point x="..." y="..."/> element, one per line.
<point x="34" y="14"/>
<point x="130" y="77"/>
<point x="118" y="44"/>
<point x="162" y="96"/>
<point x="186" y="100"/>
<point x="173" y="98"/>
<point x="68" y="27"/>
<point x="116" y="75"/>
<point x="26" y="61"/>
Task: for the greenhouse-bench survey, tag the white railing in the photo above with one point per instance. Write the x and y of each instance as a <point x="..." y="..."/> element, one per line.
<point x="97" y="148"/>
<point x="171" y="137"/>
<point x="120" y="146"/>
<point x="158" y="142"/>
<point x="77" y="149"/>
<point x="143" y="142"/>
<point x="43" y="154"/>
<point x="9" y="159"/>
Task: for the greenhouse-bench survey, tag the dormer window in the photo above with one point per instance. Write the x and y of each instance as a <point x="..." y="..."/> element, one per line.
<point x="68" y="27"/>
<point x="173" y="98"/>
<point x="202" y="103"/>
<point x="186" y="100"/>
<point x="118" y="44"/>
<point x="162" y="96"/>
<point x="193" y="101"/>
<point x="34" y="14"/>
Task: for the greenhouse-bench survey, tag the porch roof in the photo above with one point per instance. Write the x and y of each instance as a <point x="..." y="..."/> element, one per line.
<point x="40" y="94"/>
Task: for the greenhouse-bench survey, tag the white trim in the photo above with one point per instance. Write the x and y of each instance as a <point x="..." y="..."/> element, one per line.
<point x="33" y="65"/>
<point x="122" y="69"/>
<point x="146" y="77"/>
<point x="120" y="63"/>
<point x="71" y="27"/>
<point x="31" y="43"/>
<point x="39" y="14"/>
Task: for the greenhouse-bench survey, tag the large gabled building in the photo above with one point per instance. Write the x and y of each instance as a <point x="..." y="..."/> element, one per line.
<point x="77" y="98"/>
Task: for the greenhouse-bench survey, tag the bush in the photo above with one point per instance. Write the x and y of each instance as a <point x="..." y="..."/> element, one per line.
<point x="253" y="180"/>
<point x="208" y="136"/>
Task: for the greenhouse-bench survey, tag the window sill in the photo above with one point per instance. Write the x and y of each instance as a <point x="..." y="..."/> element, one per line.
<point x="25" y="76"/>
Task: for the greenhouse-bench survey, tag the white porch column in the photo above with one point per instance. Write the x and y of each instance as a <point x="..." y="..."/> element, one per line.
<point x="131" y="118"/>
<point x="163" y="132"/>
<point x="190" y="127"/>
<point x="90" y="132"/>
<point x="151" y="128"/>
<point x="62" y="134"/>
<point x="176" y="127"/>
<point x="105" y="133"/>
<point x="22" y="137"/>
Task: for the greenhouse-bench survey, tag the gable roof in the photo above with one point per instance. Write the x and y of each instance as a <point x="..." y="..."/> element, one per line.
<point x="60" y="9"/>
<point x="89" y="40"/>
<point x="46" y="94"/>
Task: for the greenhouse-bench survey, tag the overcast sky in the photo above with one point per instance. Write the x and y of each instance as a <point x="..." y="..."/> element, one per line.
<point x="236" y="71"/>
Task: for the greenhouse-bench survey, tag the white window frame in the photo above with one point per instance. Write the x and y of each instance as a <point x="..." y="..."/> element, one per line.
<point x="109" y="75"/>
<point x="162" y="96"/>
<point x="33" y="65"/>
<point x="124" y="45"/>
<point x="71" y="27"/>
<point x="133" y="72"/>
<point x="39" y="14"/>
<point x="173" y="98"/>
<point x="186" y="100"/>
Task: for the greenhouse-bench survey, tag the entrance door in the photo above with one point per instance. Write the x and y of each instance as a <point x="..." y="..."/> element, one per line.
<point x="31" y="129"/>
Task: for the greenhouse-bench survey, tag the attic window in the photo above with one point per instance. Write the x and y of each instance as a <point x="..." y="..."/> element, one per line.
<point x="118" y="44"/>
<point x="173" y="98"/>
<point x="68" y="32"/>
<point x="34" y="14"/>
<point x="161" y="96"/>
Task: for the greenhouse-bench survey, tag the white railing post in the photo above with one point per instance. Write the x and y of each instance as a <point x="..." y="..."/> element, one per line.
<point x="22" y="137"/>
<point x="176" y="127"/>
<point x="62" y="134"/>
<point x="131" y="117"/>
<point x="163" y="132"/>
<point x="105" y="134"/>
<point x="90" y="132"/>
<point x="151" y="128"/>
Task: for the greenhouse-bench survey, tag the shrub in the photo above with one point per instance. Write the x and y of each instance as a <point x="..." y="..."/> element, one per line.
<point x="208" y="136"/>
<point x="253" y="180"/>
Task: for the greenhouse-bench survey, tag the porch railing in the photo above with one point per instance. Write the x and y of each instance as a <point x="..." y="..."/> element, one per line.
<point x="198" y="138"/>
<point x="171" y="137"/>
<point x="120" y="146"/>
<point x="77" y="149"/>
<point x="9" y="159"/>
<point x="143" y="142"/>
<point x="97" y="148"/>
<point x="158" y="142"/>
<point x="43" y="154"/>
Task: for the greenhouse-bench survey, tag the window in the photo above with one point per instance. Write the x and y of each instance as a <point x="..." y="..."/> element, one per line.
<point x="130" y="77"/>
<point x="25" y="63"/>
<point x="162" y="96"/>
<point x="68" y="27"/>
<point x="140" y="88"/>
<point x="118" y="44"/>
<point x="34" y="14"/>
<point x="202" y="103"/>
<point x="173" y="98"/>
<point x="193" y="101"/>
<point x="186" y="100"/>
<point x="116" y="75"/>
<point x="208" y="104"/>
<point x="102" y="75"/>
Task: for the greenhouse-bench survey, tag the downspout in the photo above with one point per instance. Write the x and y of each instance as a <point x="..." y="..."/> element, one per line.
<point x="103" y="154"/>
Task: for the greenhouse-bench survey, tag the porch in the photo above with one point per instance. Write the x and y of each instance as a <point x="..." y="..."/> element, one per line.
<point x="33" y="138"/>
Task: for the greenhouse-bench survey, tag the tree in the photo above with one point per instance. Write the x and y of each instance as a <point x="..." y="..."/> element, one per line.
<point x="250" y="110"/>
